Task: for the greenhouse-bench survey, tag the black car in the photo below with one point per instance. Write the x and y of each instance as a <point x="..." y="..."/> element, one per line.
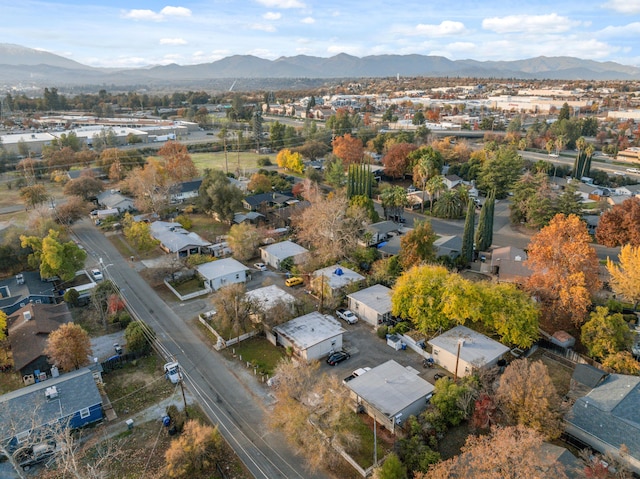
<point x="437" y="376"/>
<point x="337" y="357"/>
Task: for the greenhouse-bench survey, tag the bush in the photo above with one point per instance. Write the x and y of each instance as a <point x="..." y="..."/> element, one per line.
<point x="184" y="221"/>
<point x="264" y="161"/>
<point x="177" y="417"/>
<point x="382" y="331"/>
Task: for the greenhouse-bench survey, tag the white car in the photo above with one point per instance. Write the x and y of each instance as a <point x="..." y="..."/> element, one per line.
<point x="634" y="170"/>
<point x="97" y="274"/>
<point x="347" y="315"/>
<point x="172" y="372"/>
<point x="260" y="266"/>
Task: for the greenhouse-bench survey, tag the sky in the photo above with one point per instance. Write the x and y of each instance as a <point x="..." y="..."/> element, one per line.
<point x="135" y="33"/>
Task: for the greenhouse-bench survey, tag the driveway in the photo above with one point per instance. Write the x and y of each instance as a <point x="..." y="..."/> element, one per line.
<point x="102" y="347"/>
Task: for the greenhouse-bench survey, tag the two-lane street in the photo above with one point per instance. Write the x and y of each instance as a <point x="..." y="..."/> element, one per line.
<point x="239" y="415"/>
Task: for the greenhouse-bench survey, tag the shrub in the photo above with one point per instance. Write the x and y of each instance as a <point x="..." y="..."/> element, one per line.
<point x="264" y="161"/>
<point x="383" y="331"/>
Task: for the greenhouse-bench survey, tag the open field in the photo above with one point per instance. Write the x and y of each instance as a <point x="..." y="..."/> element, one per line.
<point x="244" y="162"/>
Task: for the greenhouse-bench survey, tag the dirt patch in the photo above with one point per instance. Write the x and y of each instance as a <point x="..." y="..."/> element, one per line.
<point x="453" y="440"/>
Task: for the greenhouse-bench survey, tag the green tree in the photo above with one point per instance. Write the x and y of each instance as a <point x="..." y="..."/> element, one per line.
<point x="276" y="135"/>
<point x="391" y="469"/>
<point x="418" y="118"/>
<point x="569" y="202"/>
<point x="393" y="200"/>
<point x="416" y="247"/>
<point x="427" y="164"/>
<point x="70" y="297"/>
<point x="3" y="325"/>
<point x="366" y="204"/>
<point x="434" y="186"/>
<point x="449" y="205"/>
<point x="244" y="240"/>
<point x="218" y="197"/>
<point x="138" y="233"/>
<point x="334" y="174"/>
<point x="53" y="257"/>
<point x="359" y="180"/>
<point x="467" y="235"/>
<point x="139" y="337"/>
<point x="484" y="233"/>
<point x="500" y="171"/>
<point x="34" y="195"/>
<point x="605" y="334"/>
<point x="565" y="112"/>
<point x="85" y="187"/>
<point x="446" y="399"/>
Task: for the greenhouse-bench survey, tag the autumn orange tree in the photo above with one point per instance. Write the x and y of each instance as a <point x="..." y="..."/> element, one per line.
<point x="621" y="224"/>
<point x="509" y="452"/>
<point x="348" y="148"/>
<point x="195" y="451"/>
<point x="528" y="397"/>
<point x="69" y="347"/>
<point x="397" y="159"/>
<point x="625" y="276"/>
<point x="564" y="271"/>
<point x="177" y="161"/>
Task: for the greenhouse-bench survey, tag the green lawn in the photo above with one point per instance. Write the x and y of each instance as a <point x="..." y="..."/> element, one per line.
<point x="190" y="286"/>
<point x="259" y="352"/>
<point x="246" y="160"/>
<point x="207" y="227"/>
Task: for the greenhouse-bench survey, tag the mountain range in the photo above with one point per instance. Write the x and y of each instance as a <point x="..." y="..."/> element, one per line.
<point x="26" y="66"/>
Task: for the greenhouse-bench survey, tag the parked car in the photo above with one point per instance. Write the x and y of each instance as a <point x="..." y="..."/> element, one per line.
<point x="337" y="357"/>
<point x="97" y="274"/>
<point x="634" y="170"/>
<point x="347" y="315"/>
<point x="437" y="376"/>
<point x="260" y="266"/>
<point x="294" y="281"/>
<point x="172" y="372"/>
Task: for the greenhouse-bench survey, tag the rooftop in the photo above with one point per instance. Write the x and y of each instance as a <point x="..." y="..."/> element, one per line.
<point x="376" y="297"/>
<point x="310" y="329"/>
<point x="221" y="267"/>
<point x="337" y="276"/>
<point x="475" y="348"/>
<point x="284" y="249"/>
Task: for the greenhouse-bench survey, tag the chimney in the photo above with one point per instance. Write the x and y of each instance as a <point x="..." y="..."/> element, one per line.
<point x="27" y="315"/>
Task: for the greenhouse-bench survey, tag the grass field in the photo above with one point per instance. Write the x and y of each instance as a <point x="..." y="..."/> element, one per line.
<point x="245" y="162"/>
<point x="259" y="352"/>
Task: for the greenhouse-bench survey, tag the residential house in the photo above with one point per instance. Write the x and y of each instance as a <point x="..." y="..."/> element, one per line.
<point x="381" y="231"/>
<point x="175" y="239"/>
<point x="467" y="349"/>
<point x="607" y="419"/>
<point x="267" y="200"/>
<point x="274" y="254"/>
<point x="391" y="393"/>
<point x="223" y="272"/>
<point x="25" y="288"/>
<point x="372" y="304"/>
<point x="448" y="245"/>
<point x="269" y="297"/>
<point x="312" y="336"/>
<point x="185" y="190"/>
<point x="97" y="173"/>
<point x="627" y="190"/>
<point x="28" y="330"/>
<point x="333" y="280"/>
<point x="112" y="199"/>
<point x="69" y="400"/>
<point x="241" y="183"/>
<point x="451" y="181"/>
<point x="252" y="217"/>
<point x="390" y="247"/>
<point x="584" y="378"/>
<point x="508" y="264"/>
<point x="282" y="216"/>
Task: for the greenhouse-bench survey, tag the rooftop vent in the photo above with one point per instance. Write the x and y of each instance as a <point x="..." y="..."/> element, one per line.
<point x="26" y="315"/>
<point x="51" y="392"/>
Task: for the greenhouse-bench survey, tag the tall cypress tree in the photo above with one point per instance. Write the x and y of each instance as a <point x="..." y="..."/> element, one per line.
<point x="484" y="234"/>
<point x="467" y="235"/>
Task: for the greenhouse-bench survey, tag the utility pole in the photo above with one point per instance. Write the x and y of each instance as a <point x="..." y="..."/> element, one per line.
<point x="455" y="374"/>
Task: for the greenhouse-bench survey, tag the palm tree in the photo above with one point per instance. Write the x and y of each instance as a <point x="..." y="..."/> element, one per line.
<point x="449" y="205"/>
<point x="428" y="165"/>
<point x="393" y="200"/>
<point x="434" y="186"/>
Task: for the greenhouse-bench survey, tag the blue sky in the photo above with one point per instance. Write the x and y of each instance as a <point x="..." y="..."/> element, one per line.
<point x="117" y="33"/>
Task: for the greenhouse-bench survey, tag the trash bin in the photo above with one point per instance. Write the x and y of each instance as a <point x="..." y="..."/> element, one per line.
<point x="129" y="423"/>
<point x="403" y="346"/>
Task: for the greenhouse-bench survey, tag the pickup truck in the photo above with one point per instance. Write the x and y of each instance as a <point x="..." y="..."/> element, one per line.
<point x="356" y="373"/>
<point x="347" y="315"/>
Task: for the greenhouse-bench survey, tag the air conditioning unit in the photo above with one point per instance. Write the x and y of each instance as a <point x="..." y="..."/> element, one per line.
<point x="51" y="392"/>
<point x="26" y="315"/>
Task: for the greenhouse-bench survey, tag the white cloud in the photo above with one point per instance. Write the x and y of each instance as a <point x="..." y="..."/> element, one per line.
<point x="157" y="16"/>
<point x="264" y="27"/>
<point x="551" y="23"/>
<point x="624" y="6"/>
<point x="308" y="20"/>
<point x="173" y="41"/>
<point x="272" y="16"/>
<point x="281" y="3"/>
<point x="169" y="11"/>
<point x="445" y="28"/>
<point x="630" y="30"/>
<point x="143" y="15"/>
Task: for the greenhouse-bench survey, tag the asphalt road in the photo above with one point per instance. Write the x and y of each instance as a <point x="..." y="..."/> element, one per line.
<point x="239" y="414"/>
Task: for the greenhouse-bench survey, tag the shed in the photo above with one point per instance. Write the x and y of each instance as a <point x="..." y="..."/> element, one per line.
<point x="311" y="336"/>
<point x="391" y="393"/>
<point x="276" y="253"/>
<point x="466" y="347"/>
<point x="372" y="304"/>
<point x="223" y="272"/>
<point x="334" y="279"/>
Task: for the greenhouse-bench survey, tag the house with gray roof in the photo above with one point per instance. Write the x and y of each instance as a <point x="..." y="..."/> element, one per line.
<point x="332" y="280"/>
<point x="448" y="245"/>
<point x="274" y="254"/>
<point x="24" y="288"/>
<point x="465" y="349"/>
<point x="508" y="264"/>
<point x="382" y="231"/>
<point x="311" y="336"/>
<point x="372" y="304"/>
<point x="28" y="331"/>
<point x="222" y="272"/>
<point x="608" y="419"/>
<point x="185" y="190"/>
<point x="112" y="199"/>
<point x="390" y="393"/>
<point x="70" y="400"/>
<point x="175" y="239"/>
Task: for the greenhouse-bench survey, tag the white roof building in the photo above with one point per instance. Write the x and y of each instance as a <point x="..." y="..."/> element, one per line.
<point x="372" y="304"/>
<point x="223" y="272"/>
<point x="311" y="336"/>
<point x="334" y="278"/>
<point x="276" y="253"/>
<point x="268" y="296"/>
<point x="466" y="348"/>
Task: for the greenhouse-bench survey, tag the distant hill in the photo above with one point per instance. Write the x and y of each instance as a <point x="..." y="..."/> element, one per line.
<point x="33" y="67"/>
